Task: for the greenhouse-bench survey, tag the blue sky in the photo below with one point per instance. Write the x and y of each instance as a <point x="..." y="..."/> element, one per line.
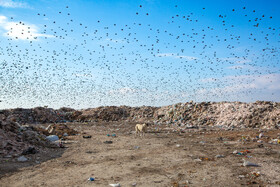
<point x="84" y="54"/>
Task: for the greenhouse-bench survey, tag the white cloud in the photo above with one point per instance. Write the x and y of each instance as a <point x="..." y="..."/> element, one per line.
<point x="235" y="84"/>
<point x="123" y="91"/>
<point x="208" y="80"/>
<point x="236" y="67"/>
<point x="251" y="68"/>
<point x="82" y="75"/>
<point x="165" y="55"/>
<point x="143" y="96"/>
<point x="20" y="30"/>
<point x="114" y="41"/>
<point x="236" y="60"/>
<point x="270" y="82"/>
<point x="13" y="4"/>
<point x="177" y="56"/>
<point x="240" y="88"/>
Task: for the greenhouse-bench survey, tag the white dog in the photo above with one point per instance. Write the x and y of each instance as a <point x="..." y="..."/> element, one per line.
<point x="141" y="129"/>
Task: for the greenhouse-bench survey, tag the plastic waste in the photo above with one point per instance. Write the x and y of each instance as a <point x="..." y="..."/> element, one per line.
<point x="22" y="159"/>
<point x="256" y="174"/>
<point x="91" y="179"/>
<point x="115" y="185"/>
<point x="247" y="163"/>
<point x="52" y="138"/>
<point x="30" y="150"/>
<point x="219" y="156"/>
<point x="87" y="136"/>
<point x="113" y="135"/>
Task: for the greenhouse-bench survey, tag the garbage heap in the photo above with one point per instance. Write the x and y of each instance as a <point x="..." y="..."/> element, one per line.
<point x="142" y="114"/>
<point x="114" y="113"/>
<point x="109" y="113"/>
<point x="260" y="114"/>
<point x="60" y="130"/>
<point x="39" y="115"/>
<point x="15" y="138"/>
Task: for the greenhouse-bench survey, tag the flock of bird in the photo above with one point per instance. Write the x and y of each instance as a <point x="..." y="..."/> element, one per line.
<point x="140" y="62"/>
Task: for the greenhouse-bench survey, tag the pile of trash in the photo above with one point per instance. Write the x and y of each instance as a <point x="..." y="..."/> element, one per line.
<point x="15" y="139"/>
<point x="60" y="130"/>
<point x="39" y="115"/>
<point x="114" y="113"/>
<point x="265" y="115"/>
<point x="141" y="114"/>
<point x="261" y="114"/>
<point x="109" y="113"/>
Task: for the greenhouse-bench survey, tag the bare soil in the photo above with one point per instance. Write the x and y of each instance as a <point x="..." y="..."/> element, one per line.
<point x="163" y="157"/>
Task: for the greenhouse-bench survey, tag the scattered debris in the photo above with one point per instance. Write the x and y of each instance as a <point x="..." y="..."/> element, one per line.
<point x="220" y="156"/>
<point x="245" y="152"/>
<point x="87" y="136"/>
<point x="16" y="139"/>
<point x="115" y="185"/>
<point x="22" y="159"/>
<point x="108" y="142"/>
<point x="256" y="174"/>
<point x="247" y="163"/>
<point x="29" y="150"/>
<point x="190" y="115"/>
<point x="52" y="138"/>
<point x="113" y="135"/>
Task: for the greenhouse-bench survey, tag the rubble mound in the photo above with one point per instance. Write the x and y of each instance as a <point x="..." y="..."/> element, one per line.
<point x="110" y="113"/>
<point x="142" y="114"/>
<point x="60" y="130"/>
<point x="39" y="115"/>
<point x="14" y="138"/>
<point x="260" y="114"/>
<point x="114" y="113"/>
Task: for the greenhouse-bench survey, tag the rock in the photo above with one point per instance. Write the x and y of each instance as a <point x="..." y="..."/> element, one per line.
<point x="22" y="159"/>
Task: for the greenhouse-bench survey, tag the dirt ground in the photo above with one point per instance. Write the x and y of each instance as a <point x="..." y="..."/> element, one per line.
<point x="161" y="158"/>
